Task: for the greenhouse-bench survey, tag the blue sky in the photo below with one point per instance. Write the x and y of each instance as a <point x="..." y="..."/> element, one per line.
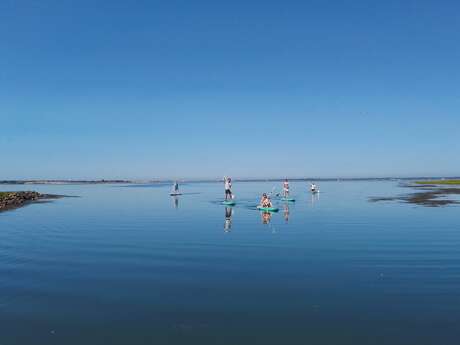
<point x="145" y="89"/>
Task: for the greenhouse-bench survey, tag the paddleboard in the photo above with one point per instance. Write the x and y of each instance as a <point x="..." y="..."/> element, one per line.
<point x="229" y="202"/>
<point x="287" y="199"/>
<point x="268" y="209"/>
<point x="175" y="194"/>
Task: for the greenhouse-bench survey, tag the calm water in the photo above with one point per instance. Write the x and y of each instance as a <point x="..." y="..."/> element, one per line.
<point x="131" y="265"/>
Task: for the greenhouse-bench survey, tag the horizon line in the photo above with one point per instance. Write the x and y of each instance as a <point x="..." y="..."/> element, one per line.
<point x="215" y="179"/>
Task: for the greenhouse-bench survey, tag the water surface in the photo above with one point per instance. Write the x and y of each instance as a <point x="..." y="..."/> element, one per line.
<point x="132" y="265"/>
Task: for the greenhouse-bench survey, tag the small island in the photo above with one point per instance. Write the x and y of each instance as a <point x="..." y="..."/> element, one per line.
<point x="11" y="200"/>
<point x="432" y="193"/>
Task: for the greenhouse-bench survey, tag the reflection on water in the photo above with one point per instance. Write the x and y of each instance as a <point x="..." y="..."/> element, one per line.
<point x="175" y="200"/>
<point x="266" y="217"/>
<point x="228" y="219"/>
<point x="286" y="212"/>
<point x="314" y="197"/>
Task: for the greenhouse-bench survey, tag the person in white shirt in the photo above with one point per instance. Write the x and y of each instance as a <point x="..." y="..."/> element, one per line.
<point x="313" y="187"/>
<point x="228" y="188"/>
<point x="286" y="188"/>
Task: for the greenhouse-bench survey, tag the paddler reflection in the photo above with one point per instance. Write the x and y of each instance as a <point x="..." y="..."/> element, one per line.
<point x="314" y="198"/>
<point x="266" y="217"/>
<point x="286" y="213"/>
<point x="228" y="219"/>
<point x="175" y="200"/>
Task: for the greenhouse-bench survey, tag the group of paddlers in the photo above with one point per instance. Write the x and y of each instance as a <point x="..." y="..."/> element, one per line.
<point x="265" y="201"/>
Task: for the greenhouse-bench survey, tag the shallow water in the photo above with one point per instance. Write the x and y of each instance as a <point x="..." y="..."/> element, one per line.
<point x="132" y="265"/>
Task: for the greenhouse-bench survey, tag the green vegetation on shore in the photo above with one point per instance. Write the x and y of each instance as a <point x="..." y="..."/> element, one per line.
<point x="448" y="182"/>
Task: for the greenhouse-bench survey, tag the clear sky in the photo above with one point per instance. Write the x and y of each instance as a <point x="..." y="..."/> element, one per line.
<point x="146" y="89"/>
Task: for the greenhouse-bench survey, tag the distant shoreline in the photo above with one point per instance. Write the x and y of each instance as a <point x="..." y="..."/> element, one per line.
<point x="21" y="182"/>
<point x="419" y="179"/>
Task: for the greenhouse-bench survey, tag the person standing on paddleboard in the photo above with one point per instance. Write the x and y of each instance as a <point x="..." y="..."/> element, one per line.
<point x="313" y="187"/>
<point x="286" y="188"/>
<point x="175" y="187"/>
<point x="228" y="188"/>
